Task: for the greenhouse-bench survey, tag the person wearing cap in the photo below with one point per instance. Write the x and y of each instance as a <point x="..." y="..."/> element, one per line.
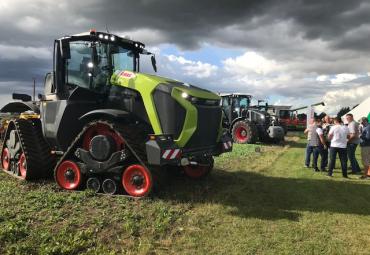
<point x="365" y="147"/>
<point x="353" y="142"/>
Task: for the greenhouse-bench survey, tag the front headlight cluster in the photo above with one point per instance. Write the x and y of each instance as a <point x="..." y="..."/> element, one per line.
<point x="200" y="101"/>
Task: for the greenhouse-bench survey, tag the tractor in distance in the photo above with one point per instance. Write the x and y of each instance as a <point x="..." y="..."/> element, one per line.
<point x="104" y="125"/>
<point x="249" y="123"/>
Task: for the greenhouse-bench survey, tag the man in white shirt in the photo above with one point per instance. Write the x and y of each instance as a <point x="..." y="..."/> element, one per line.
<point x="338" y="135"/>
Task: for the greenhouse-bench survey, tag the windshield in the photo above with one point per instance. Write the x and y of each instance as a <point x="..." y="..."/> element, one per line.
<point x="92" y="64"/>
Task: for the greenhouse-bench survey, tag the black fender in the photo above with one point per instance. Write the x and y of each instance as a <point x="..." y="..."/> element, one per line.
<point x="19" y="107"/>
<point x="236" y="120"/>
<point x="110" y="114"/>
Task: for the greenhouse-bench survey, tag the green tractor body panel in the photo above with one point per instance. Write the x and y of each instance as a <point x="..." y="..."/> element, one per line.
<point x="146" y="84"/>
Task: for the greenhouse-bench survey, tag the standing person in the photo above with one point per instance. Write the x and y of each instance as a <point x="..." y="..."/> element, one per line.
<point x="338" y="135"/>
<point x="317" y="143"/>
<point x="365" y="147"/>
<point x="309" y="149"/>
<point x="327" y="124"/>
<point x="353" y="141"/>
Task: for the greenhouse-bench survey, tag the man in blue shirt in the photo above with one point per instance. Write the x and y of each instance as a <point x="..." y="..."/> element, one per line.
<point x="365" y="147"/>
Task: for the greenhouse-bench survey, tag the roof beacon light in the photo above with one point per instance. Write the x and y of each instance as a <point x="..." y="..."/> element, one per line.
<point x="112" y="38"/>
<point x="106" y="37"/>
<point x="101" y="36"/>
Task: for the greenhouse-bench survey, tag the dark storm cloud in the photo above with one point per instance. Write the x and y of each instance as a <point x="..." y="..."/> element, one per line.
<point x="323" y="37"/>
<point x="185" y="23"/>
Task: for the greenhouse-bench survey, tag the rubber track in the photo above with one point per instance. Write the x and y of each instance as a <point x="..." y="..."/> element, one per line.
<point x="38" y="153"/>
<point x="134" y="136"/>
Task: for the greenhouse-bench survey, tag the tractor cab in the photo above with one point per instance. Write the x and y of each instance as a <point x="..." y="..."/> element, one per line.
<point x="235" y="105"/>
<point x="89" y="60"/>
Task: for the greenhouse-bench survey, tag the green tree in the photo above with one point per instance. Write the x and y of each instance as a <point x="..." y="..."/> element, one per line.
<point x="343" y="111"/>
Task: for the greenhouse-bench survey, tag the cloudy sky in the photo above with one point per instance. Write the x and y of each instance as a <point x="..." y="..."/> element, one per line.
<point x="290" y="52"/>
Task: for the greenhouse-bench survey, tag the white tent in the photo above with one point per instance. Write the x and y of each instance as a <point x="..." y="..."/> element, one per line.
<point x="362" y="110"/>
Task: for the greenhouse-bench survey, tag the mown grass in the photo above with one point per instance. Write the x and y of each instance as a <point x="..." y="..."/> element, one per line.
<point x="259" y="200"/>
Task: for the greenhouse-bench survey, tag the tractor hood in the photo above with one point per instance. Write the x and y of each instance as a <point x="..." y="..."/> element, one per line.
<point x="146" y="84"/>
<point x="163" y="92"/>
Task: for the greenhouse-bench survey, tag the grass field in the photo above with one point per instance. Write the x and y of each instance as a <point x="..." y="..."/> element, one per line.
<point x="258" y="200"/>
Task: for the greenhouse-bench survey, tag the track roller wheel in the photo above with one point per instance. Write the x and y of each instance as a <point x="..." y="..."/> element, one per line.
<point x="137" y="181"/>
<point x="197" y="171"/>
<point x="109" y="186"/>
<point x="94" y="184"/>
<point x="68" y="175"/>
<point x="22" y="166"/>
<point x="5" y="159"/>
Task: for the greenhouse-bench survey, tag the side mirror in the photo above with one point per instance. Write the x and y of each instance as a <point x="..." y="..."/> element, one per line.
<point x="65" y="50"/>
<point x="23" y="97"/>
<point x="154" y="63"/>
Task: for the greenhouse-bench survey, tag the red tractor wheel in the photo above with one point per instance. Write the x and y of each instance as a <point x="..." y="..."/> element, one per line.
<point x="197" y="171"/>
<point x="101" y="129"/>
<point x="244" y="132"/>
<point x="22" y="166"/>
<point x="5" y="159"/>
<point x="137" y="181"/>
<point x="68" y="175"/>
<point x="241" y="134"/>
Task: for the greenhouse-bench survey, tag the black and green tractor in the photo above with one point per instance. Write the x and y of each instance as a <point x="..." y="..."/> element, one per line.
<point x="102" y="124"/>
<point x="248" y="122"/>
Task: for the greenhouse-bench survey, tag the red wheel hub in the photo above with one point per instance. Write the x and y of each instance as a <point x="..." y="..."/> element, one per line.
<point x="197" y="171"/>
<point x="241" y="134"/>
<point x="137" y="181"/>
<point x="101" y="129"/>
<point x="5" y="158"/>
<point x="22" y="165"/>
<point x="68" y="175"/>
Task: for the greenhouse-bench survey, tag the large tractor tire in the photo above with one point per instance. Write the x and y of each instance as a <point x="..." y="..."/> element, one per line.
<point x="244" y="132"/>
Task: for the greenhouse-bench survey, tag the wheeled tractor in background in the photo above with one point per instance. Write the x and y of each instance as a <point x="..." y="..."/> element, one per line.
<point x="103" y="125"/>
<point x="249" y="123"/>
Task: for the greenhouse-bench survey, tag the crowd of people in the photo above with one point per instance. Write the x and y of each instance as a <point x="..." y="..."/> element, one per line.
<point x="329" y="137"/>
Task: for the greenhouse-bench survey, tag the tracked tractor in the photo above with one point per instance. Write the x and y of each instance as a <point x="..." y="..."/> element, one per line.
<point x="249" y="123"/>
<point x="104" y="125"/>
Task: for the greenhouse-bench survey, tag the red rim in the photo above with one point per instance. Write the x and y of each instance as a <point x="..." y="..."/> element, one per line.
<point x="241" y="134"/>
<point x="101" y="129"/>
<point x="196" y="172"/>
<point x="5" y="159"/>
<point x="22" y="165"/>
<point x="68" y="175"/>
<point x="137" y="181"/>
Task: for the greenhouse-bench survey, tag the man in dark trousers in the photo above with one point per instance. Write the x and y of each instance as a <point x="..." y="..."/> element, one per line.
<point x="327" y="124"/>
<point x="338" y="136"/>
<point x="317" y="143"/>
<point x="353" y="141"/>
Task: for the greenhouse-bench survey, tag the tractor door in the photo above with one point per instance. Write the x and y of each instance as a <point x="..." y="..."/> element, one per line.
<point x="66" y="99"/>
<point x="226" y="108"/>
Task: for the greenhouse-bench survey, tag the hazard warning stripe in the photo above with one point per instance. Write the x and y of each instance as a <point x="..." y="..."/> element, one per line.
<point x="171" y="153"/>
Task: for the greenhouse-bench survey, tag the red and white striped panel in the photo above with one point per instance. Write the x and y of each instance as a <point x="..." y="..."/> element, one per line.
<point x="171" y="154"/>
<point x="228" y="145"/>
